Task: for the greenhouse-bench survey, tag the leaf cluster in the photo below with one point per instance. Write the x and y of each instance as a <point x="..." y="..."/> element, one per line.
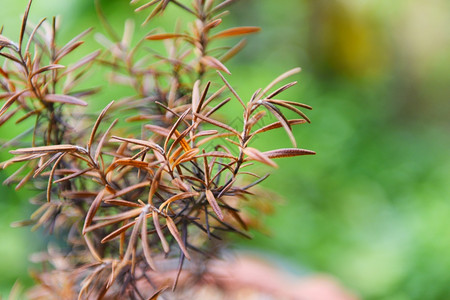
<point x="130" y="199"/>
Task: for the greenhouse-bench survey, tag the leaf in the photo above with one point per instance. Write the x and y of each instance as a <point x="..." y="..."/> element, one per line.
<point x="176" y="198"/>
<point x="93" y="210"/>
<point x="277" y="80"/>
<point x="119" y="202"/>
<point x="31" y="37"/>
<point x="84" y="61"/>
<point x="47" y="163"/>
<point x="10" y="57"/>
<point x="222" y="5"/>
<point x="97" y="123"/>
<point x="161" y="236"/>
<point x="174" y="128"/>
<point x="281" y="89"/>
<point x="10" y="101"/>
<point x="116" y="232"/>
<point x="290" y="107"/>
<point x="50" y="177"/>
<point x="157" y="129"/>
<point x="127" y="162"/>
<point x="217" y="107"/>
<point x="294" y="103"/>
<point x="278" y="125"/>
<point x="279" y="115"/>
<point x="287" y="152"/>
<point x="66" y="50"/>
<point x="73" y="175"/>
<point x="47" y="68"/>
<point x="64" y="99"/>
<point x="128" y="189"/>
<point x="211" y="25"/>
<point x="24" y="24"/>
<point x="202" y="97"/>
<point x="71" y="45"/>
<point x="187" y="156"/>
<point x="146" y="5"/>
<point x="236" y="31"/>
<point x="103" y="139"/>
<point x="232" y="90"/>
<point x="214" y="63"/>
<point x="181" y="140"/>
<point x="233" y="51"/>
<point x="165" y="36"/>
<point x="218" y="124"/>
<point x="196" y="96"/>
<point x="147" y="144"/>
<point x="145" y="246"/>
<point x="174" y="231"/>
<point x="257" y="155"/>
<point x="212" y="201"/>
<point x="113" y="219"/>
<point x="5" y="42"/>
<point x="46" y="149"/>
<point x="156" y="294"/>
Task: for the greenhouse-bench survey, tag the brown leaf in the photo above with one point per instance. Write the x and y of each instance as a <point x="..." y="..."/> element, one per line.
<point x="186" y="156"/>
<point x="279" y="115"/>
<point x="277" y="80"/>
<point x="287" y="152"/>
<point x="103" y="139"/>
<point x="120" y="202"/>
<point x="176" y="198"/>
<point x="278" y="125"/>
<point x="233" y="51"/>
<point x="281" y="89"/>
<point x="47" y="163"/>
<point x="164" y="36"/>
<point x="10" y="101"/>
<point x="145" y="246"/>
<point x="24" y="24"/>
<point x="174" y="128"/>
<point x="46" y="149"/>
<point x="47" y="68"/>
<point x="50" y="177"/>
<point x="214" y="63"/>
<point x="236" y="31"/>
<point x="232" y="90"/>
<point x="157" y="129"/>
<point x="290" y="107"/>
<point x="97" y="123"/>
<point x="174" y="231"/>
<point x="73" y="175"/>
<point x="127" y="162"/>
<point x="5" y="42"/>
<point x="84" y="61"/>
<point x="116" y="232"/>
<point x="128" y="189"/>
<point x="257" y="155"/>
<point x="149" y="144"/>
<point x="93" y="210"/>
<point x="218" y="124"/>
<point x="66" y="99"/>
<point x="158" y="229"/>
<point x="212" y="201"/>
<point x="72" y="44"/>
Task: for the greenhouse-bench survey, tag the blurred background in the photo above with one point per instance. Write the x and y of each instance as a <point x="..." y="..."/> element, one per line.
<point x="372" y="207"/>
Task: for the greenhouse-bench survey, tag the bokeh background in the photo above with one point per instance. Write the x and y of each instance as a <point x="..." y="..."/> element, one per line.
<point x="372" y="207"/>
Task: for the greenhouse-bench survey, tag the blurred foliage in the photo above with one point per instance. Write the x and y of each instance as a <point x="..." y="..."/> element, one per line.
<point x="372" y="207"/>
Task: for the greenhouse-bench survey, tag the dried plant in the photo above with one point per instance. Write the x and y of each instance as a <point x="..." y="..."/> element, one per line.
<point x="129" y="199"/>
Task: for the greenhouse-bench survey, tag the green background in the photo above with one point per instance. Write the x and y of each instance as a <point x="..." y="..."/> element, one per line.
<point x="371" y="208"/>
